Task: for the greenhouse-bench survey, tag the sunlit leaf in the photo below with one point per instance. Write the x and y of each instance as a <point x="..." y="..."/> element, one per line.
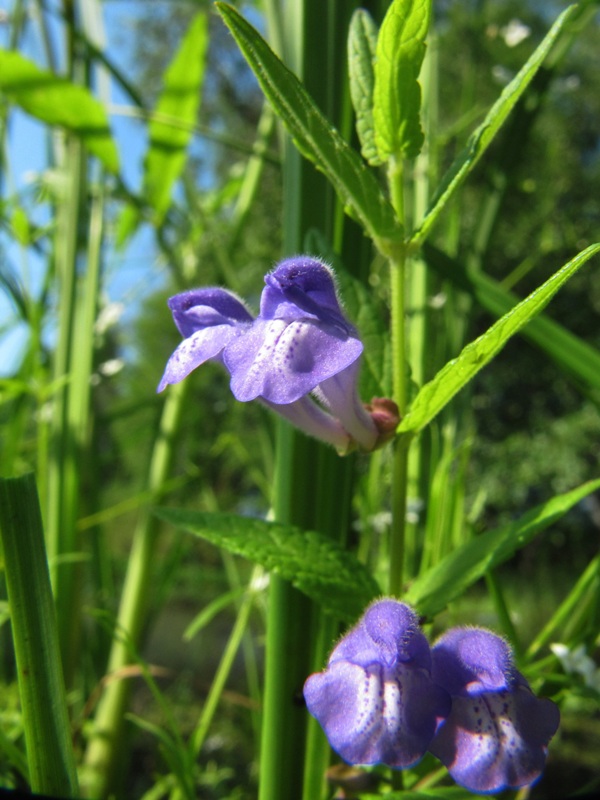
<point x="397" y="95"/>
<point x="174" y="117"/>
<point x="56" y="101"/>
<point x="362" y="44"/>
<point x="457" y="373"/>
<point x="314" y="136"/>
<point x="575" y="356"/>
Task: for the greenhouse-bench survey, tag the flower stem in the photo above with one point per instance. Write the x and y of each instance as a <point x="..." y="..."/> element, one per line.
<point x="398" y="335"/>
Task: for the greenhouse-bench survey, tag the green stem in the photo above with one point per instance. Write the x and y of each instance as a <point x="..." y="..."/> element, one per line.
<point x="41" y="685"/>
<point x="225" y="665"/>
<point x="400" y="462"/>
<point x="103" y="750"/>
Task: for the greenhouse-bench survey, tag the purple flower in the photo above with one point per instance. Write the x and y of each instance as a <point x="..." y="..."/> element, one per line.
<point x="300" y="356"/>
<point x="497" y="735"/>
<point x="376" y="699"/>
<point x="209" y="319"/>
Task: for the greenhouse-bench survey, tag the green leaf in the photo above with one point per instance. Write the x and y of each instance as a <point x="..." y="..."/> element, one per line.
<point x="50" y="756"/>
<point x="56" y="101"/>
<point x="434" y="589"/>
<point x="313" y="563"/>
<point x="397" y="96"/>
<point x="575" y="357"/>
<point x="457" y="373"/>
<point x="362" y="44"/>
<point x="174" y="117"/>
<point x="481" y="138"/>
<point x="315" y="137"/>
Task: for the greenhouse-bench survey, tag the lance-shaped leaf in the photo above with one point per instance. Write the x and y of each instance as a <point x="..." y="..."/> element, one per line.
<point x="450" y="577"/>
<point x="362" y="44"/>
<point x="481" y="138"/>
<point x="397" y="97"/>
<point x="576" y="358"/>
<point x="315" y="137"/>
<point x="174" y="117"/>
<point x="56" y="101"/>
<point x="457" y="373"/>
<point x="313" y="563"/>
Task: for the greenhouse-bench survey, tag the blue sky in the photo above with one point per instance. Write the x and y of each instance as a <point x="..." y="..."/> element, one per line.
<point x="128" y="276"/>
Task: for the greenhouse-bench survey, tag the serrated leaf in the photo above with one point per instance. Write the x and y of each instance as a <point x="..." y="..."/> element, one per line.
<point x="434" y="589"/>
<point x="481" y="138"/>
<point x="313" y="563"/>
<point x="56" y="101"/>
<point x="314" y="136"/>
<point x="176" y="112"/>
<point x="457" y="373"/>
<point x="397" y="95"/>
<point x="362" y="44"/>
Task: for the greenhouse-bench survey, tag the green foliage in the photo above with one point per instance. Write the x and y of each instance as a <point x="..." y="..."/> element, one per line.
<point x="481" y="138"/>
<point x="57" y="101"/>
<point x="458" y="372"/>
<point x="314" y="136"/>
<point x="434" y="589"/>
<point x="499" y="449"/>
<point x="397" y="94"/>
<point x="362" y="44"/>
<point x="315" y="564"/>
<point x="50" y="755"/>
<point x="174" y="116"/>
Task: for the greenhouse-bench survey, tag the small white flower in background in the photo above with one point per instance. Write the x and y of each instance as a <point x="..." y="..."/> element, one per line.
<point x="111" y="367"/>
<point x="259" y="582"/>
<point x="501" y="74"/>
<point x="108" y="317"/>
<point x="578" y="662"/>
<point x="515" y="32"/>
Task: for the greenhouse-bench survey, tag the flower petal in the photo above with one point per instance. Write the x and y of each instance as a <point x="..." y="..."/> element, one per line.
<point x="472" y="660"/>
<point x="302" y="287"/>
<point x="387" y="632"/>
<point x="195" y="350"/>
<point x="201" y="308"/>
<point x="281" y="361"/>
<point x="372" y="715"/>
<point x="496" y="740"/>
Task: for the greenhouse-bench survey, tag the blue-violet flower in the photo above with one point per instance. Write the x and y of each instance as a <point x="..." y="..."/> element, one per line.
<point x="376" y="699"/>
<point x="497" y="734"/>
<point x="300" y="356"/>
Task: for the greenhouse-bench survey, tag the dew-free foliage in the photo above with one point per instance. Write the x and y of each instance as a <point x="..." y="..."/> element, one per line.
<point x="317" y="566"/>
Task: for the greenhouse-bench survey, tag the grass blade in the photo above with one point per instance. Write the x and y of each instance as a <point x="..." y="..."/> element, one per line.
<point x="35" y="635"/>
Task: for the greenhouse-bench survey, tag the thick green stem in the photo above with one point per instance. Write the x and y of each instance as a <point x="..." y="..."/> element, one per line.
<point x="41" y="685"/>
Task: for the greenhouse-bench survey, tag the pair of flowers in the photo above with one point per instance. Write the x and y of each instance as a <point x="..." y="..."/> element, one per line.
<point x="300" y="356"/>
<point x="386" y="697"/>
